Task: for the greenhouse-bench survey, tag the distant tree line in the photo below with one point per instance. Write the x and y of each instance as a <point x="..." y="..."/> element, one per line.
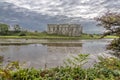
<point x="5" y="30"/>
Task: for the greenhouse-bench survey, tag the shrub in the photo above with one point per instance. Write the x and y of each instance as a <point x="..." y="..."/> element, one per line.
<point x="106" y="69"/>
<point x="22" y="34"/>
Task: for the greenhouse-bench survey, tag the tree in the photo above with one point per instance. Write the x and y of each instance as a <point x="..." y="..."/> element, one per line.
<point x="111" y="22"/>
<point x="17" y="28"/>
<point x="4" y="28"/>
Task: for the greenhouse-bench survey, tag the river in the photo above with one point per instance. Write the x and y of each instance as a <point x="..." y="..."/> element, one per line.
<point x="51" y="53"/>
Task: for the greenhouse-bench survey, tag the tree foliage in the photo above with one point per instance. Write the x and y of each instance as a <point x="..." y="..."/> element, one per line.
<point x="111" y="22"/>
<point x="3" y="29"/>
<point x="17" y="28"/>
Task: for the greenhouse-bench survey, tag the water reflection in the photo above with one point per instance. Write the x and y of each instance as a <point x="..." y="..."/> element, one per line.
<point x="63" y="44"/>
<point x="52" y="54"/>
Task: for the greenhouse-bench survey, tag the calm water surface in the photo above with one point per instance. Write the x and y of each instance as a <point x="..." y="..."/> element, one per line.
<point x="50" y="53"/>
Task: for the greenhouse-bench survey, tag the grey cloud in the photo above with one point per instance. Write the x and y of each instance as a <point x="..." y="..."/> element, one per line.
<point x="70" y="8"/>
<point x="37" y="14"/>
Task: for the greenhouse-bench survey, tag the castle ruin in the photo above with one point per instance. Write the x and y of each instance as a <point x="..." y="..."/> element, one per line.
<point x="65" y="29"/>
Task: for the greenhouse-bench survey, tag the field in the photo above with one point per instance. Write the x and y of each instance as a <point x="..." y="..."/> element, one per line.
<point x="37" y="35"/>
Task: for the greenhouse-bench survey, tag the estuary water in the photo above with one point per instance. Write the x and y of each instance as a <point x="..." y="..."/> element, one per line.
<point x="48" y="53"/>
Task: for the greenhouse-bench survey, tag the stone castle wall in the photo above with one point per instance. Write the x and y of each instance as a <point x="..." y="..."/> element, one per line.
<point x="65" y="29"/>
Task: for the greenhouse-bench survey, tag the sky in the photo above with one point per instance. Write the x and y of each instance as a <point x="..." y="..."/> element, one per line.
<point x="36" y="14"/>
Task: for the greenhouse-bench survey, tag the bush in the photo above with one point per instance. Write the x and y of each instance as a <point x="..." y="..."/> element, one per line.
<point x="106" y="69"/>
<point x="22" y="34"/>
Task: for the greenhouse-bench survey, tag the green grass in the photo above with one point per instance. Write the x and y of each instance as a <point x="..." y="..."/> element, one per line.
<point x="111" y="37"/>
<point x="44" y="37"/>
<point x="34" y="35"/>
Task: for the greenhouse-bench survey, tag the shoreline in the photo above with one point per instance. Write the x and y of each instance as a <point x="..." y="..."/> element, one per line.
<point x="57" y="37"/>
<point x="45" y="41"/>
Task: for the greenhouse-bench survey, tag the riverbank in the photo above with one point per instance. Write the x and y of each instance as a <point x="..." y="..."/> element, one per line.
<point x="23" y="41"/>
<point x="52" y="37"/>
<point x="44" y="35"/>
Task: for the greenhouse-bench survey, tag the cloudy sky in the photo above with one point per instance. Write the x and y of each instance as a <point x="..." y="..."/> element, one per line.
<point x="36" y="14"/>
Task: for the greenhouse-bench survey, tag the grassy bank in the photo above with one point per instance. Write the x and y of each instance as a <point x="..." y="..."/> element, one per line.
<point x="111" y="37"/>
<point x="33" y="35"/>
<point x="44" y="37"/>
<point x="55" y="37"/>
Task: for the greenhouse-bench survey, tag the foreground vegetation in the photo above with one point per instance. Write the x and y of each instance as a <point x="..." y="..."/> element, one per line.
<point x="106" y="69"/>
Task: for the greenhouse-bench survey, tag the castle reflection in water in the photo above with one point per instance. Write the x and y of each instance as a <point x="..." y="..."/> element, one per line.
<point x="63" y="47"/>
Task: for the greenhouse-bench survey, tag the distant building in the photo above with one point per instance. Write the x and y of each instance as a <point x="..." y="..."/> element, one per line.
<point x="65" y="29"/>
